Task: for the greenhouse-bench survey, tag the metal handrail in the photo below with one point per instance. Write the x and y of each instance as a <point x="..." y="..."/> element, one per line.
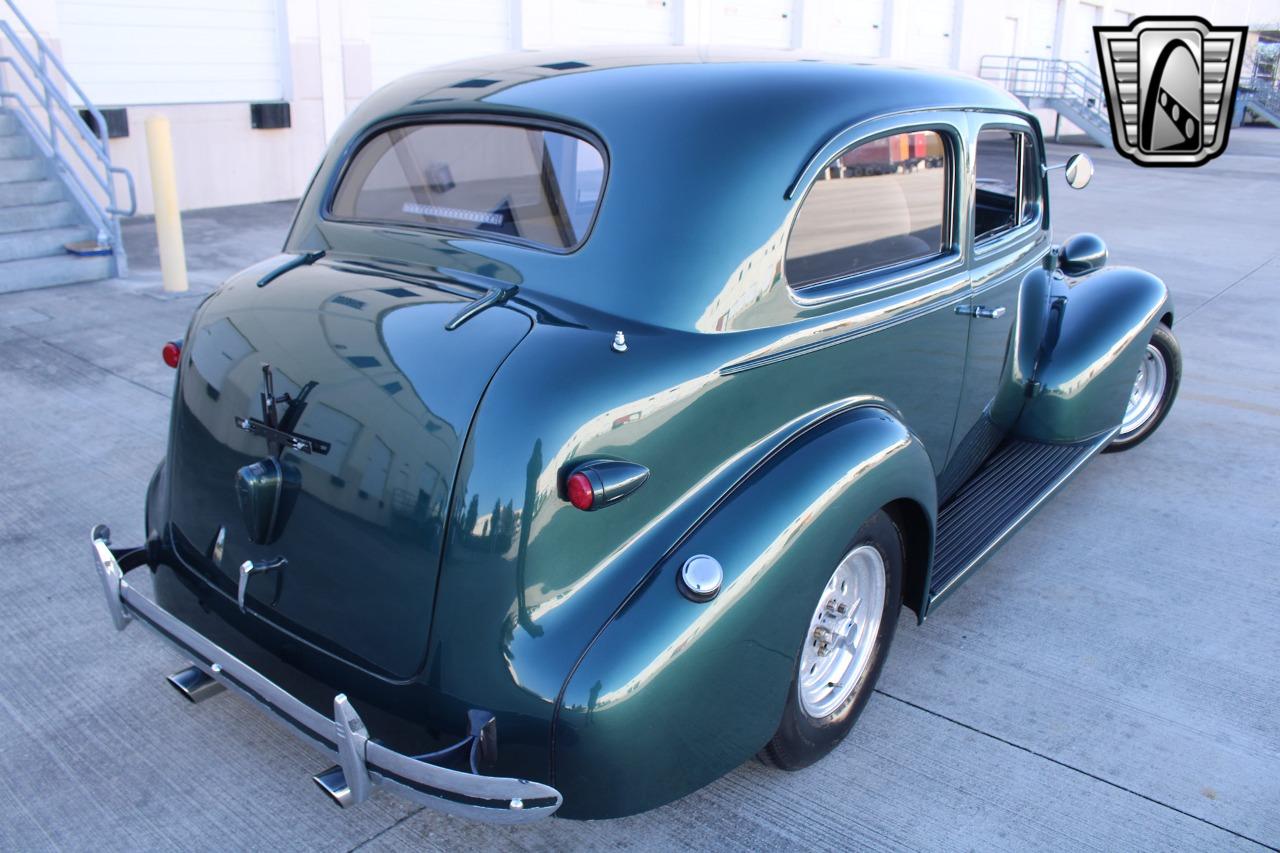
<point x="62" y="132"/>
<point x="1262" y="89"/>
<point x="1049" y="79"/>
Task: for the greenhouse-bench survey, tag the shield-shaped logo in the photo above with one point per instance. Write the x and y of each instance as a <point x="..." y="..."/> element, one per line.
<point x="1171" y="87"/>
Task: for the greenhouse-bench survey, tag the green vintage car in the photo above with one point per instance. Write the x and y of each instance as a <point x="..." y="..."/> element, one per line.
<point x="605" y="410"/>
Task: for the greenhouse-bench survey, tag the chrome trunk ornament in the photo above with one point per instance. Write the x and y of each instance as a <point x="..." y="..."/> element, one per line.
<point x="277" y="429"/>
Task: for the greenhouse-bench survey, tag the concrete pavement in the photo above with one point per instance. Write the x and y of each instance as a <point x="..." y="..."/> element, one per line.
<point x="1110" y="680"/>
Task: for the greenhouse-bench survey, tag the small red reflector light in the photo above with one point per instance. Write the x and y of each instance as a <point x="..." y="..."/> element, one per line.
<point x="581" y="495"/>
<point x="172" y="353"/>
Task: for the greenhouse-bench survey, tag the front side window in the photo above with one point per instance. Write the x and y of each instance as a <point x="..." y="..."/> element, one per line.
<point x="1007" y="193"/>
<point x="880" y="204"/>
<point x="527" y="183"/>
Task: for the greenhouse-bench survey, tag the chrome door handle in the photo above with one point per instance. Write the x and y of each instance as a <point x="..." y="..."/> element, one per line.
<point x="249" y="568"/>
<point x="981" y="311"/>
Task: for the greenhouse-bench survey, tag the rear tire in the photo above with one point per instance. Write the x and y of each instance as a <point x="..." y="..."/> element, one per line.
<point x="844" y="650"/>
<point x="1154" y="390"/>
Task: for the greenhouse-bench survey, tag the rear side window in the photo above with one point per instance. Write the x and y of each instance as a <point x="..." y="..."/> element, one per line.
<point x="878" y="204"/>
<point x="526" y="183"/>
<point x="1007" y="193"/>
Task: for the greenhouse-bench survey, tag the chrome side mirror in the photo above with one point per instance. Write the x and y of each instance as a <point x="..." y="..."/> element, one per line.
<point x="1079" y="171"/>
<point x="1082" y="254"/>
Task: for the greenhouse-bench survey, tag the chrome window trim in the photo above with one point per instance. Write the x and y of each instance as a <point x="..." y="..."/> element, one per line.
<point x="1021" y="255"/>
<point x="1005" y="241"/>
<point x="325" y="212"/>
<point x="877" y="281"/>
<point x="990" y="244"/>
<point x="953" y="127"/>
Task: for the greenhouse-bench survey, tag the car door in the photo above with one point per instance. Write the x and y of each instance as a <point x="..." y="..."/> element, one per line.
<point x="1008" y="239"/>
<point x="875" y="265"/>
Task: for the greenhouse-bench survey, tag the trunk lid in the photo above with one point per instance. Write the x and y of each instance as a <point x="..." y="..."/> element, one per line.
<point x="373" y="377"/>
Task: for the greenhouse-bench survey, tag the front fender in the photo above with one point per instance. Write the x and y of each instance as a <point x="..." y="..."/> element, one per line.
<point x="1082" y="384"/>
<point x="672" y="694"/>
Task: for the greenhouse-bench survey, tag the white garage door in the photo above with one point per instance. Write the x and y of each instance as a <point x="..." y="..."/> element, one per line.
<point x="183" y="51"/>
<point x="757" y="23"/>
<point x="613" y="22"/>
<point x="850" y="27"/>
<point x="927" y="36"/>
<point x="1041" y="29"/>
<point x="1087" y="16"/>
<point x="408" y="35"/>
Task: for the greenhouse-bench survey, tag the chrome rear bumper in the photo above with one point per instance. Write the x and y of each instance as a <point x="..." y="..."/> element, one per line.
<point x="363" y="764"/>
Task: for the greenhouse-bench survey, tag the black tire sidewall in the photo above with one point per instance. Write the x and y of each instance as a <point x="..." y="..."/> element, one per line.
<point x="801" y="739"/>
<point x="1163" y="340"/>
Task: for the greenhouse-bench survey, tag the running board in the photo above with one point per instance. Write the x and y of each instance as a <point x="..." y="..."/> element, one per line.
<point x="998" y="499"/>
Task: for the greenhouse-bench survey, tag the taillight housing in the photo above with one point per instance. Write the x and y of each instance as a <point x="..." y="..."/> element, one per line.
<point x="171" y="352"/>
<point x="602" y="482"/>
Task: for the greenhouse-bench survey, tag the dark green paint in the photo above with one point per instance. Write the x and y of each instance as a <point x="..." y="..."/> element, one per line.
<point x="772" y="422"/>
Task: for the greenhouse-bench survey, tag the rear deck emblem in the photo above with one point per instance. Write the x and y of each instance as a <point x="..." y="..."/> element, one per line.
<point x="1170" y="84"/>
<point x="277" y="430"/>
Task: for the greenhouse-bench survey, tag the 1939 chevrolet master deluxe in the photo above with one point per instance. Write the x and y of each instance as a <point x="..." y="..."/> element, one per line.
<point x="605" y="410"/>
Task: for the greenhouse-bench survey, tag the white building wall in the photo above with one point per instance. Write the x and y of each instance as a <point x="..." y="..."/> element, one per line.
<point x="325" y="56"/>
<point x="138" y="52"/>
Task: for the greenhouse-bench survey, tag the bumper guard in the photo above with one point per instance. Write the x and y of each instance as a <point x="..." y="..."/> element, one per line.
<point x="363" y="764"/>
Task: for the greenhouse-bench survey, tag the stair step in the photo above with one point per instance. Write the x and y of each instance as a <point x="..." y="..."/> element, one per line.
<point x="36" y="244"/>
<point x="30" y="217"/>
<point x="8" y="124"/>
<point x="997" y="500"/>
<point x="14" y="145"/>
<point x="51" y="271"/>
<point x="27" y="169"/>
<point x="29" y="192"/>
<point x="1264" y="111"/>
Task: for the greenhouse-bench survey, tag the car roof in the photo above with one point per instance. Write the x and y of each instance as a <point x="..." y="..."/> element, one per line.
<point x="657" y="80"/>
<point x="703" y="146"/>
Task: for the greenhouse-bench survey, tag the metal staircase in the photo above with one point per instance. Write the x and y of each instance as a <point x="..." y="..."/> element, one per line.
<point x="58" y="187"/>
<point x="1071" y="89"/>
<point x="1261" y="96"/>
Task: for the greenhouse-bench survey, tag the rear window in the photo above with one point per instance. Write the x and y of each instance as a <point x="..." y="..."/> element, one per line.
<point x="526" y="183"/>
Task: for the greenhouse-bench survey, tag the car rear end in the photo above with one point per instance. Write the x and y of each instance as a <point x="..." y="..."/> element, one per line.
<point x="298" y="525"/>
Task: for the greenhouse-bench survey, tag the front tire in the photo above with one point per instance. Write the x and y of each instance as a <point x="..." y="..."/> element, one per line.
<point x="1153" y="391"/>
<point x="847" y="642"/>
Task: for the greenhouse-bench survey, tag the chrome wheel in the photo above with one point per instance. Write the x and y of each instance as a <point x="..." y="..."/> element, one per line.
<point x="842" y="633"/>
<point x="1148" y="391"/>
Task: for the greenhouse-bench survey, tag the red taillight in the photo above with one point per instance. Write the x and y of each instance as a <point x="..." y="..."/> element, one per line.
<point x="172" y="353"/>
<point x="581" y="495"/>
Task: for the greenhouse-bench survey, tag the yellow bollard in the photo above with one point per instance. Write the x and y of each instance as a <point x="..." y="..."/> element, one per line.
<point x="164" y="188"/>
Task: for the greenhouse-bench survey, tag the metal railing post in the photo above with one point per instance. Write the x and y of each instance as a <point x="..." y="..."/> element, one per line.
<point x="45" y="99"/>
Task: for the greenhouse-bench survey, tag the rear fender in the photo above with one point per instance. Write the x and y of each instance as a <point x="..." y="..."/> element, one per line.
<point x="1082" y="382"/>
<point x="672" y="694"/>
